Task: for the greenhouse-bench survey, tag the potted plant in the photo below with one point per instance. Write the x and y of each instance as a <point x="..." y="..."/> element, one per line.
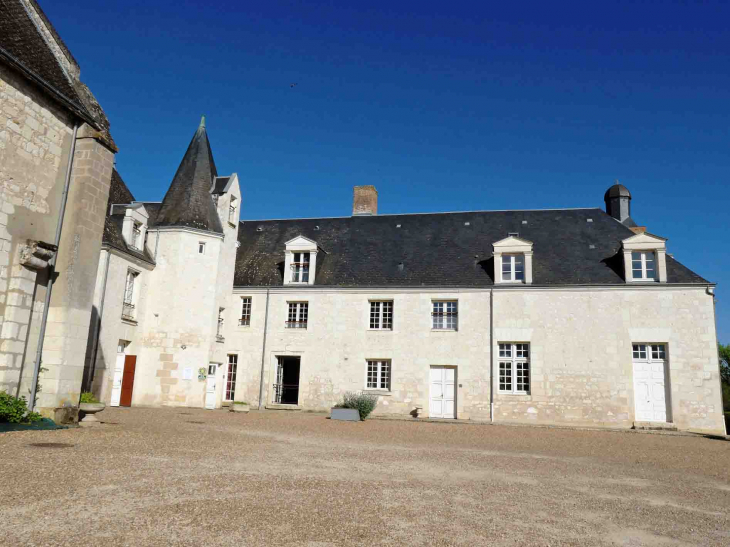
<point x="90" y="405"/>
<point x="354" y="407"/>
<point x="239" y="406"/>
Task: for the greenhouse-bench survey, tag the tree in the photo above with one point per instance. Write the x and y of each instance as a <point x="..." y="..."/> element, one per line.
<point x="724" y="362"/>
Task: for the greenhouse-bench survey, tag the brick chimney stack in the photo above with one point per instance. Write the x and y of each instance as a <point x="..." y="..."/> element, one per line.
<point x="365" y="201"/>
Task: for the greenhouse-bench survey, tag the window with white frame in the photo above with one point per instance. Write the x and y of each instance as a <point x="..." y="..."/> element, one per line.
<point x="445" y="314"/>
<point x="245" y="311"/>
<point x="201" y="247"/>
<point x="513" y="267"/>
<point x="219" y="329"/>
<point x="300" y="268"/>
<point x="514" y="368"/>
<point x="298" y="314"/>
<point x="643" y="265"/>
<point x="232" y="210"/>
<point x="231" y="371"/>
<point x="381" y="314"/>
<point x="649" y="352"/>
<point x="378" y="375"/>
<point x="137" y="235"/>
<point x="128" y="302"/>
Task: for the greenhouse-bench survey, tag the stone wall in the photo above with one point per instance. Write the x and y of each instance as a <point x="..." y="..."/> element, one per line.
<point x="35" y="140"/>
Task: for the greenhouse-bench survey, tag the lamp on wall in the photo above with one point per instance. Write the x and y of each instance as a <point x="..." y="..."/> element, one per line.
<point x="183" y="346"/>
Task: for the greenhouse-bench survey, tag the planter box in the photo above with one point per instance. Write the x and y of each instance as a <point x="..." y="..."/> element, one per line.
<point x="239" y="408"/>
<point x="347" y="414"/>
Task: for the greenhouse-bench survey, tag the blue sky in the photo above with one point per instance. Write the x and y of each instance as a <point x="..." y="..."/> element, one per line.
<point x="443" y="106"/>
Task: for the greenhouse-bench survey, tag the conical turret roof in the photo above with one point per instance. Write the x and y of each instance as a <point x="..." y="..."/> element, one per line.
<point x="188" y="201"/>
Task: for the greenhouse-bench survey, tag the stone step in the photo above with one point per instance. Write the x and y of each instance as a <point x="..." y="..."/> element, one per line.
<point x="655" y="426"/>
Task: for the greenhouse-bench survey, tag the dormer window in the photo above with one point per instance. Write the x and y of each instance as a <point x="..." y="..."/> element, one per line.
<point x="134" y="226"/>
<point x="137" y="235"/>
<point x="300" y="261"/>
<point x="645" y="258"/>
<point x="513" y="267"/>
<point x="300" y="268"/>
<point x="513" y="260"/>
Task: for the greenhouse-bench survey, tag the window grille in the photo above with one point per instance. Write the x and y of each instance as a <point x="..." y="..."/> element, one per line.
<point x="378" y="375"/>
<point x="298" y="314"/>
<point x="245" y="312"/>
<point x="643" y="265"/>
<point x="445" y="314"/>
<point x="381" y="315"/>
<point x="219" y="330"/>
<point x="136" y="236"/>
<point x="514" y="368"/>
<point x="128" y="301"/>
<point x="300" y="268"/>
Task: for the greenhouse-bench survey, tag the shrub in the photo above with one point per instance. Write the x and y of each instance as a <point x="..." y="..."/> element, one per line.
<point x="88" y="397"/>
<point x="364" y="403"/>
<point x="15" y="410"/>
<point x="240" y="403"/>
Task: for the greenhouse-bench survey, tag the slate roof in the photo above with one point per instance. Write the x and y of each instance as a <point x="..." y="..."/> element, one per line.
<point x="120" y="194"/>
<point x="24" y="48"/>
<point x="441" y="250"/>
<point x="188" y="201"/>
<point x="219" y="186"/>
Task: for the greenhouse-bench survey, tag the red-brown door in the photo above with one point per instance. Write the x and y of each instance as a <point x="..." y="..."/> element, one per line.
<point x="130" y="364"/>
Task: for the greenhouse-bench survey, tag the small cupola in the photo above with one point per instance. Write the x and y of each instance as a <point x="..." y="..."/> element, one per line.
<point x="618" y="203"/>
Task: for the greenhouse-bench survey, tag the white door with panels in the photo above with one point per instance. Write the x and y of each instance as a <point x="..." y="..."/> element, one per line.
<point x="210" y="383"/>
<point x="118" y="373"/>
<point x="443" y="393"/>
<point x="650" y="386"/>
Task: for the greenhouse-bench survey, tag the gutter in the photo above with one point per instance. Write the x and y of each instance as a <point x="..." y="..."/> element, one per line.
<point x="263" y="353"/>
<point x="491" y="355"/>
<point x="97" y="334"/>
<point x="51" y="271"/>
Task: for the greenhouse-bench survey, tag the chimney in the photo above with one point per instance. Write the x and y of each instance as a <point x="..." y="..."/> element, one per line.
<point x="365" y="201"/>
<point x="618" y="202"/>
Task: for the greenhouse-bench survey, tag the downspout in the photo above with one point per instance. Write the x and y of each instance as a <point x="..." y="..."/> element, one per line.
<point x="97" y="334"/>
<point x="51" y="271"/>
<point x="263" y="353"/>
<point x="491" y="355"/>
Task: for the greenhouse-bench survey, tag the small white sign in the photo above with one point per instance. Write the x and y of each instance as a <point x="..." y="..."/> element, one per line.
<point x="188" y="373"/>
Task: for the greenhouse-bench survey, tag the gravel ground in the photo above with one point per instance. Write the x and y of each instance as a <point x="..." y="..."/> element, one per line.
<point x="196" y="477"/>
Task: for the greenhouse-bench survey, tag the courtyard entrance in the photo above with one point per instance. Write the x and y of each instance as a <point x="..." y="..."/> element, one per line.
<point x="286" y="388"/>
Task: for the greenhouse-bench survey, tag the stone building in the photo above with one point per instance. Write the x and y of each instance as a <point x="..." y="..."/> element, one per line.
<point x="565" y="316"/>
<point x="56" y="158"/>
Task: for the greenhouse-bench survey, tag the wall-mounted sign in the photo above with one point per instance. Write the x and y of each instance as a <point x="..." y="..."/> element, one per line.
<point x="188" y="373"/>
<point x="202" y="373"/>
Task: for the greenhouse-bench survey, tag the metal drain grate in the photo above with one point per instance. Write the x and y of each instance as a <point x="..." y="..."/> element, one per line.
<point x="52" y="445"/>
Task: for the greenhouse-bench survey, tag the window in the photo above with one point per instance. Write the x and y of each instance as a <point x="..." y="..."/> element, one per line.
<point x="231" y="377"/>
<point x="137" y="236"/>
<point x="219" y="330"/>
<point x="381" y="315"/>
<point x="513" y="267"/>
<point x="649" y="352"/>
<point x="643" y="265"/>
<point x="298" y="313"/>
<point x="514" y="368"/>
<point x="300" y="268"/>
<point x="201" y="248"/>
<point x="445" y="314"/>
<point x="232" y="210"/>
<point x="128" y="302"/>
<point x="378" y="375"/>
<point x="245" y="312"/>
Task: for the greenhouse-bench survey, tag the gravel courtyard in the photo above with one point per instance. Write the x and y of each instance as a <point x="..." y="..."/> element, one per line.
<point x="195" y="477"/>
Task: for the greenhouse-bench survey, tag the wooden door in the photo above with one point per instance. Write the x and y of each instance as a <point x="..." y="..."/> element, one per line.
<point x="443" y="391"/>
<point x="130" y="365"/>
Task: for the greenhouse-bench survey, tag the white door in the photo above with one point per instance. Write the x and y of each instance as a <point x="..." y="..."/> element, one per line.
<point x="117" y="381"/>
<point x="649" y="383"/>
<point x="210" y="387"/>
<point x="442" y="393"/>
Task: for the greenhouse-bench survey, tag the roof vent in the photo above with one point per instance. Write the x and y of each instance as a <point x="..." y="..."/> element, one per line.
<point x="589" y="220"/>
<point x="259" y="228"/>
<point x="591" y="246"/>
<point x="524" y="222"/>
<point x="316" y="228"/>
<point x="467" y="224"/>
<point x="400" y="266"/>
<point x="513" y="234"/>
<point x="397" y="225"/>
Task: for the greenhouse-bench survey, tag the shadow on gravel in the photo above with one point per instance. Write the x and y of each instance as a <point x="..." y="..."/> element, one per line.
<point x="52" y="445"/>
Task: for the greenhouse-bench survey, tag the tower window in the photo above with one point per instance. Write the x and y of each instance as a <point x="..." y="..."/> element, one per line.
<point x="201" y="248"/>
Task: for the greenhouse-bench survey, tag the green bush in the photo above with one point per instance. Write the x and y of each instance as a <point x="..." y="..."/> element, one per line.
<point x="88" y="397"/>
<point x="240" y="403"/>
<point x="15" y="410"/>
<point x="364" y="403"/>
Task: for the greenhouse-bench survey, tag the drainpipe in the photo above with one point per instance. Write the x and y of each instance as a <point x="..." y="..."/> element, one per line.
<point x="263" y="353"/>
<point x="97" y="334"/>
<point x="51" y="271"/>
<point x="491" y="355"/>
